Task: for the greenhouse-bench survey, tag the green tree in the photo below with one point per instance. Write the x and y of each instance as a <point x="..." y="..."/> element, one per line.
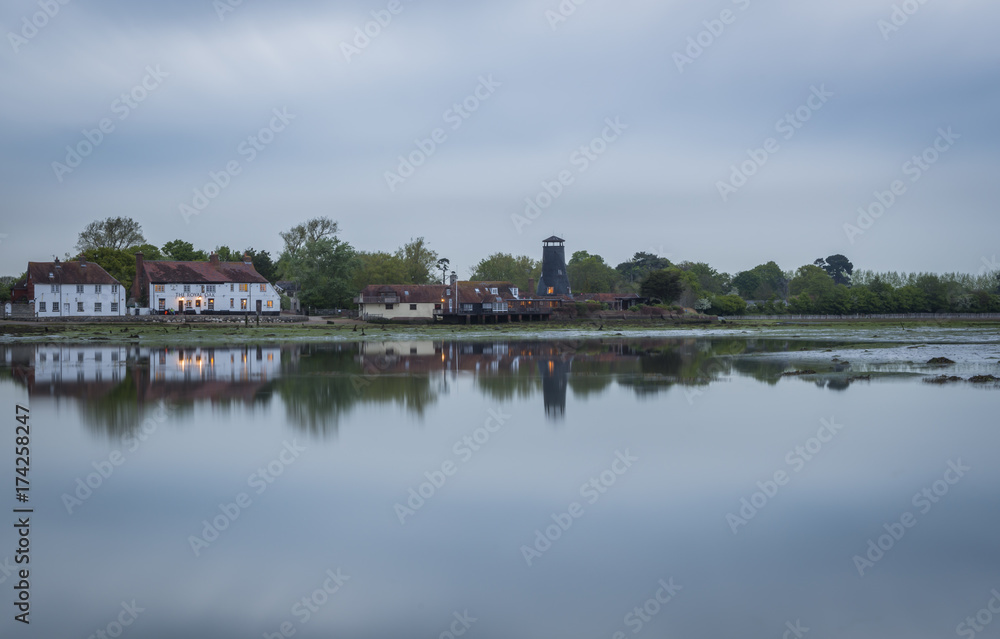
<point x="181" y="251"/>
<point x="377" y="268"/>
<point x="263" y="264"/>
<point x="709" y="280"/>
<point x="7" y="283"/>
<point x="838" y="267"/>
<point x="419" y="261"/>
<point x="589" y="274"/>
<point x="665" y="285"/>
<point x="761" y="282"/>
<point x="642" y="264"/>
<point x="323" y="268"/>
<point x="114" y="233"/>
<point x="311" y="230"/>
<point x="504" y="267"/>
<point x="120" y="264"/>
<point x="442" y="265"/>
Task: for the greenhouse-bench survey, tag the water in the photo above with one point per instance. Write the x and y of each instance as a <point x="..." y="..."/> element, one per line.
<point x="241" y="479"/>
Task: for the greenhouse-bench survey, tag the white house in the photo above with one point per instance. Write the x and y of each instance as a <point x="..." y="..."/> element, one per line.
<point x="203" y="288"/>
<point x="72" y="289"/>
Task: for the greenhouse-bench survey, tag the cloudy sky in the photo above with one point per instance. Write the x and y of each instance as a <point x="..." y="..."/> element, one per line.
<point x="744" y="130"/>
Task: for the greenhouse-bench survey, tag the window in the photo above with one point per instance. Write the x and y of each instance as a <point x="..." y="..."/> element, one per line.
<point x="243" y="303"/>
<point x="79" y="356"/>
<point x="114" y="307"/>
<point x="437" y="307"/>
<point x="388" y="307"/>
<point x="263" y="288"/>
<point x="114" y="357"/>
<point x="244" y="288"/>
<point x="79" y="307"/>
<point x="413" y="307"/>
<point x="159" y="288"/>
<point x="232" y="302"/>
<point x="270" y="303"/>
<point x="552" y="290"/>
<point x="97" y="307"/>
<point x="97" y="288"/>
<point x="447" y="291"/>
<point x="41" y="307"/>
<point x="197" y="303"/>
<point x="98" y="357"/>
<point x="493" y="290"/>
<point x="163" y="304"/>
<point x="210" y="288"/>
<point x="230" y="288"/>
<point x="114" y="288"/>
<point x="79" y="288"/>
<point x="187" y="304"/>
<point x="187" y="288"/>
<point x="211" y="303"/>
<point x="55" y="288"/>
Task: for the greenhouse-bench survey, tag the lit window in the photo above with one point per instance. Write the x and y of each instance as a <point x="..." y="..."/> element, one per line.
<point x="270" y="303"/>
<point x="158" y="288"/>
<point x="163" y="304"/>
<point x="263" y="288"/>
<point x="244" y="288"/>
<point x="243" y="303"/>
<point x="552" y="290"/>
<point x="188" y="304"/>
<point x="232" y="302"/>
<point x="211" y="303"/>
<point x="197" y="303"/>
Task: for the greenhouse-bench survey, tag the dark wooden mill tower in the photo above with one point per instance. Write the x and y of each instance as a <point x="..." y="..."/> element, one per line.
<point x="554" y="280"/>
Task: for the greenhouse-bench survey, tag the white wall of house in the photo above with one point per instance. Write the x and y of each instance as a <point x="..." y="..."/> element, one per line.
<point x="79" y="300"/>
<point x="401" y="310"/>
<point x="204" y="298"/>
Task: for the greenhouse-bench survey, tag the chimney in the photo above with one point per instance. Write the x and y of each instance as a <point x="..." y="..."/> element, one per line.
<point x="453" y="278"/>
<point x="137" y="281"/>
<point x="57" y="263"/>
<point x="213" y="258"/>
<point x="246" y="259"/>
<point x="83" y="260"/>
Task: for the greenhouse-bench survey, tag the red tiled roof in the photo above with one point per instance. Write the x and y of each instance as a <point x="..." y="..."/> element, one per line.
<point x="407" y="293"/>
<point x="160" y="272"/>
<point x="68" y="273"/>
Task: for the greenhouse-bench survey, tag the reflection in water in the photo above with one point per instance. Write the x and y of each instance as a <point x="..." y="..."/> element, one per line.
<point x="319" y="383"/>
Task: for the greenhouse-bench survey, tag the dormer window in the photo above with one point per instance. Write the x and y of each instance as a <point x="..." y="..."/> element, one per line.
<point x="493" y="290"/>
<point x="447" y="291"/>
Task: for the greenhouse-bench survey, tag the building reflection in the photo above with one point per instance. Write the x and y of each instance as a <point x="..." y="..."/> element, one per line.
<point x="319" y="383"/>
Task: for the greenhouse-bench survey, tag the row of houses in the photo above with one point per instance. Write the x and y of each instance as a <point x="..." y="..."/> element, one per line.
<point x="67" y="289"/>
<point x="83" y="289"/>
<point x="485" y="302"/>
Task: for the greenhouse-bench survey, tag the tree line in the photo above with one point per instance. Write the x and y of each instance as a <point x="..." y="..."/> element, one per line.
<point x="330" y="273"/>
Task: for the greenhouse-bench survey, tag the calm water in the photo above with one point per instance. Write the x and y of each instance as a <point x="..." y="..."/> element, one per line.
<point x="507" y="489"/>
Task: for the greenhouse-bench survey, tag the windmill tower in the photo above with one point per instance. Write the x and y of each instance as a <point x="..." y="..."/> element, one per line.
<point x="554" y="280"/>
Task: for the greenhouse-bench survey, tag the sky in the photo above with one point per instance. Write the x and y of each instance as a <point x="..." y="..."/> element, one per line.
<point x="732" y="132"/>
